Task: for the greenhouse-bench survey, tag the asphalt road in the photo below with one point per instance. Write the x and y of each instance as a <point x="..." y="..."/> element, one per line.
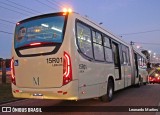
<point x="124" y="100"/>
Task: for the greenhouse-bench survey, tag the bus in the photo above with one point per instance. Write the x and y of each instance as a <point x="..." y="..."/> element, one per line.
<point x="140" y="69"/>
<point x="66" y="56"/>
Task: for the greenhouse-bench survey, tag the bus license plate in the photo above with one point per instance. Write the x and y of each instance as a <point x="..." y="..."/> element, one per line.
<point x="35" y="96"/>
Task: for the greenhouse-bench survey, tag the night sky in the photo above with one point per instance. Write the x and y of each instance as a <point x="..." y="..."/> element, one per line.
<point x="134" y="20"/>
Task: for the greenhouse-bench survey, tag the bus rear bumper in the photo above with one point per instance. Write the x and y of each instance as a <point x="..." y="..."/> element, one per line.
<point x="67" y="92"/>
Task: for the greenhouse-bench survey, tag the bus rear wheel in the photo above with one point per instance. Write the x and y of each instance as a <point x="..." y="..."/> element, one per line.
<point x="110" y="89"/>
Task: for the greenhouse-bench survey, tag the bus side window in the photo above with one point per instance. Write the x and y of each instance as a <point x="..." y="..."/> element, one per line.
<point x="98" y="47"/>
<point x="128" y="57"/>
<point x="139" y="61"/>
<point x="84" y="39"/>
<point x="115" y="54"/>
<point x="107" y="48"/>
<point x="124" y="57"/>
<point x="107" y="42"/>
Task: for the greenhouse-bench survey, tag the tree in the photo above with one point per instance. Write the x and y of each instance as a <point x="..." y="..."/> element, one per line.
<point x="146" y="53"/>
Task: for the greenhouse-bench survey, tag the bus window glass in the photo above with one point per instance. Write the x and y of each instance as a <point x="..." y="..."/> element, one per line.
<point x="124" y="57"/>
<point x="107" y="42"/>
<point x="116" y="54"/>
<point x="42" y="30"/>
<point x="139" y="60"/>
<point x="94" y="36"/>
<point x="84" y="39"/>
<point x="125" y="49"/>
<point x="128" y="57"/>
<point x="98" y="52"/>
<point x="108" y="55"/>
<point x="97" y="38"/>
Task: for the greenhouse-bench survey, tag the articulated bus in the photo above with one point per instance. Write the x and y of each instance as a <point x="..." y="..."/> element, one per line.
<point x="66" y="56"/>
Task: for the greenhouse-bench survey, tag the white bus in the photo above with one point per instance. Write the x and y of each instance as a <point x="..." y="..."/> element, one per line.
<point x="66" y="56"/>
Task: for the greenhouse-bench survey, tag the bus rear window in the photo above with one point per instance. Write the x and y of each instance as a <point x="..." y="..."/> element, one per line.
<point x="42" y="30"/>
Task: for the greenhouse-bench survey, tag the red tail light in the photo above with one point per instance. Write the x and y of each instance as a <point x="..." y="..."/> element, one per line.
<point x="35" y="44"/>
<point x="13" y="72"/>
<point x="67" y="69"/>
<point x="150" y="78"/>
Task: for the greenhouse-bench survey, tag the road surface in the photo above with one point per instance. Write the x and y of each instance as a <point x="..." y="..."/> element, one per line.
<point x="145" y="96"/>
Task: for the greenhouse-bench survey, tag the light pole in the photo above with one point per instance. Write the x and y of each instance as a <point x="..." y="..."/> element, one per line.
<point x="150" y="57"/>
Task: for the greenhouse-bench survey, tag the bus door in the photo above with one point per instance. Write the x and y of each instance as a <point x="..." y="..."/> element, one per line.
<point x="136" y="65"/>
<point x="126" y="70"/>
<point x="126" y="66"/>
<point x="116" y="56"/>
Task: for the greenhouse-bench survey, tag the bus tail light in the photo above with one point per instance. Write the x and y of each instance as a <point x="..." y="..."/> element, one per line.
<point x="67" y="69"/>
<point x="35" y="44"/>
<point x="13" y="72"/>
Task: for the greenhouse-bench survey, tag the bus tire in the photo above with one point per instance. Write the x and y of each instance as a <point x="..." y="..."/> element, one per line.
<point x="110" y="90"/>
<point x="145" y="83"/>
<point x="139" y="82"/>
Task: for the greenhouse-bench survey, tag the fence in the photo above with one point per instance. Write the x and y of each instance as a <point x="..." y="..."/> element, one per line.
<point x="4" y="73"/>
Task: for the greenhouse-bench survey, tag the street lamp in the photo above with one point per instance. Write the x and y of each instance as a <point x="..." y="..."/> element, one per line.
<point x="138" y="47"/>
<point x="149" y="51"/>
<point x="154" y="54"/>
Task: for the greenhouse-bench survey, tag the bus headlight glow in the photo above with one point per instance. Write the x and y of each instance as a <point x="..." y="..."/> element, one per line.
<point x="156" y="75"/>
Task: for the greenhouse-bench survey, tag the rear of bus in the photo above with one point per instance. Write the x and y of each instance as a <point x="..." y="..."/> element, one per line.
<point x="41" y="65"/>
